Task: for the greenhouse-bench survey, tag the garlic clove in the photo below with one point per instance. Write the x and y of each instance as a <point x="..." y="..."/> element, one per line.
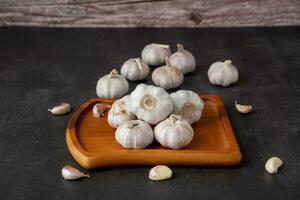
<point x="273" y="164"/>
<point x="99" y="109"/>
<point x="61" y="109"/>
<point x="243" y="108"/>
<point x="71" y="173"/>
<point x="160" y="172"/>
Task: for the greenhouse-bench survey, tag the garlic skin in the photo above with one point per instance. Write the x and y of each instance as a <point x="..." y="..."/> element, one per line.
<point x="71" y="173"/>
<point x="151" y="104"/>
<point x="112" y="85"/>
<point x="119" y="112"/>
<point x="167" y="76"/>
<point x="183" y="60"/>
<point x="61" y="109"/>
<point x="160" y="172"/>
<point x="174" y="132"/>
<point x="223" y="73"/>
<point x="135" y="69"/>
<point x="273" y="164"/>
<point x="244" y="109"/>
<point x="154" y="54"/>
<point x="99" y="109"/>
<point x="134" y="134"/>
<point x="188" y="105"/>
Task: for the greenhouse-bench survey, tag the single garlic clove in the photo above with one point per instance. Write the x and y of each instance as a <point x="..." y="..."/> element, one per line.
<point x="243" y="108"/>
<point x="160" y="172"/>
<point x="99" y="109"/>
<point x="273" y="164"/>
<point x="71" y="173"/>
<point x="61" y="109"/>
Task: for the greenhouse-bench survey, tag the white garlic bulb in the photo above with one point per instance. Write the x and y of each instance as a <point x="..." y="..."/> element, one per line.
<point x="112" y="85"/>
<point x="183" y="60"/>
<point x="151" y="104"/>
<point x="223" y="73"/>
<point x="154" y="54"/>
<point x="134" y="134"/>
<point x="188" y="104"/>
<point x="135" y="69"/>
<point x="119" y="112"/>
<point x="167" y="76"/>
<point x="174" y="132"/>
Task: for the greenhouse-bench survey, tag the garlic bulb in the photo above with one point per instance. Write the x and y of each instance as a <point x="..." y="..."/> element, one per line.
<point x="167" y="76"/>
<point x="183" y="60"/>
<point x="135" y="69"/>
<point x="154" y="54"/>
<point x="223" y="73"/>
<point x="61" y="109"/>
<point x="134" y="134"/>
<point x="112" y="85"/>
<point x="119" y="112"/>
<point x="71" y="173"/>
<point x="174" y="132"/>
<point x="188" y="104"/>
<point x="151" y="104"/>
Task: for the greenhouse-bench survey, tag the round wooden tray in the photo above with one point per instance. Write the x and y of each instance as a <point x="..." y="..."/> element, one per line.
<point x="92" y="144"/>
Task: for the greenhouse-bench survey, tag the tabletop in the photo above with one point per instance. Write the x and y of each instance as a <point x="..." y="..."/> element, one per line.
<point x="42" y="67"/>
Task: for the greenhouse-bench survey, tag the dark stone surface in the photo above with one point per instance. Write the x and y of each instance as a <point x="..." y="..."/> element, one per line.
<point x="42" y="67"/>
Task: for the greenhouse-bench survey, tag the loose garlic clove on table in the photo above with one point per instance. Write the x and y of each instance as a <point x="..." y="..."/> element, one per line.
<point x="273" y="164"/>
<point x="71" y="173"/>
<point x="160" y="172"/>
<point x="243" y="108"/>
<point x="61" y="109"/>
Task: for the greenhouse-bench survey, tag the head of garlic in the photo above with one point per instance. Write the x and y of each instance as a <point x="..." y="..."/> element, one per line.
<point x="135" y="69"/>
<point x="223" y="73"/>
<point x="119" y="112"/>
<point x="134" y="134"/>
<point x="167" y="76"/>
<point x="151" y="104"/>
<point x="112" y="85"/>
<point x="174" y="132"/>
<point x="183" y="60"/>
<point x="154" y="54"/>
<point x="187" y="104"/>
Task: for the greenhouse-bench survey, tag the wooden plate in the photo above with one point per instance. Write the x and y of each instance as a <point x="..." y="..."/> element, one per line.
<point x="91" y="141"/>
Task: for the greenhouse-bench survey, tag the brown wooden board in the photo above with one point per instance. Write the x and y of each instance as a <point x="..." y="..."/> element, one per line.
<point x="92" y="144"/>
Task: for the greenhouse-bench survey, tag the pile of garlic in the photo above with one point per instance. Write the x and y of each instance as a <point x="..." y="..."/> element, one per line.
<point x="171" y="115"/>
<point x="168" y="75"/>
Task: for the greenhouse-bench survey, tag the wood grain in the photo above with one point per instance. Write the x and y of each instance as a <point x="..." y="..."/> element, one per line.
<point x="147" y="13"/>
<point x="92" y="143"/>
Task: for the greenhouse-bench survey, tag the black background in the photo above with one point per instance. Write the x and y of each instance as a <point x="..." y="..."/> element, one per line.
<point x="41" y="67"/>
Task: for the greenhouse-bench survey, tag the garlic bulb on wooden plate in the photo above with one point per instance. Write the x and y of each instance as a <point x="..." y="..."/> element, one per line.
<point x="167" y="76"/>
<point x="223" y="73"/>
<point x="135" y="69"/>
<point x="112" y="85"/>
<point x="134" y="134"/>
<point x="183" y="60"/>
<point x="151" y="104"/>
<point x="119" y="112"/>
<point x="154" y="54"/>
<point x="188" y="104"/>
<point x="174" y="132"/>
